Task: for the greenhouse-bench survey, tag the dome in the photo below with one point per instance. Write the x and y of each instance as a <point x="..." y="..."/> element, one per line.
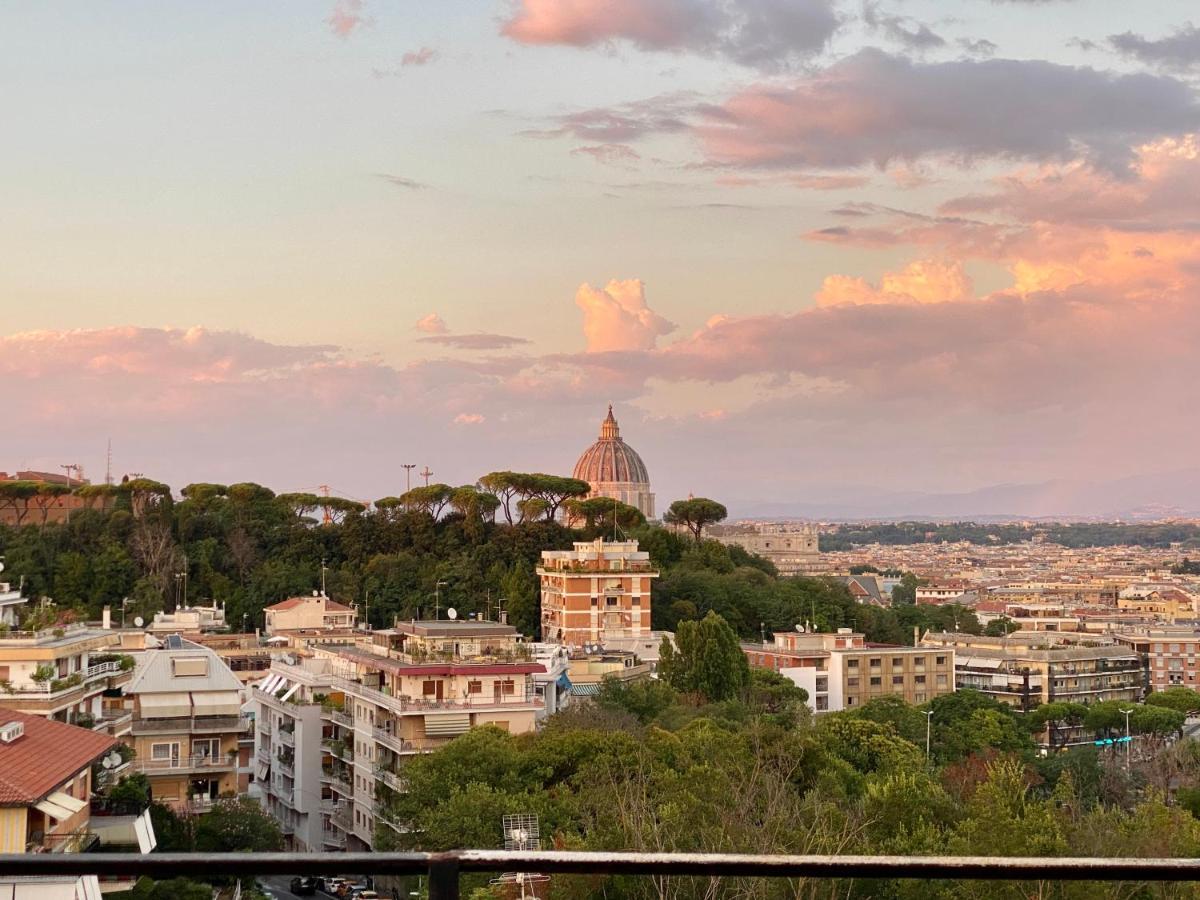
<point x="610" y="460"/>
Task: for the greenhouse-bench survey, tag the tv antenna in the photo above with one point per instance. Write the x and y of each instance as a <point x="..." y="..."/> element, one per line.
<point x="521" y="832"/>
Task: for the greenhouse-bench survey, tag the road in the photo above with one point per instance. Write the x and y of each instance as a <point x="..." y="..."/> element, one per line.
<point x="277" y="887"/>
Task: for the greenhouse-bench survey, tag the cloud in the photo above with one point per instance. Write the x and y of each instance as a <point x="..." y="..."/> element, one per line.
<point x="469" y="419"/>
<point x="760" y="33"/>
<point x="616" y="317"/>
<point x="876" y="108"/>
<point x="347" y="17"/>
<point x="978" y="46"/>
<point x="1179" y="50"/>
<point x="609" y="154"/>
<point x="421" y="57"/>
<point x="664" y="114"/>
<point x="922" y="281"/>
<point x="478" y="341"/>
<point x="906" y="31"/>
<point x="401" y="182"/>
<point x="431" y="324"/>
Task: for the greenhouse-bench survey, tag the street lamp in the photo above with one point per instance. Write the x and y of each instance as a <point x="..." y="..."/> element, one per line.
<point x="1128" y="739"/>
<point x="928" y="725"/>
<point x="437" y="600"/>
<point x="124" y="603"/>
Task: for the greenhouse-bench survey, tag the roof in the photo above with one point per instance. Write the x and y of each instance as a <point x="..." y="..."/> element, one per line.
<point x="154" y="675"/>
<point x="49" y="753"/>
<point x="610" y="460"/>
<point x="453" y="628"/>
<point x="293" y="602"/>
<point x="456" y="667"/>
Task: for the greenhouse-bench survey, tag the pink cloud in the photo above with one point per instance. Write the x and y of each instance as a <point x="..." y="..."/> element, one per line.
<point x="346" y="18"/>
<point x="923" y="281"/>
<point x="764" y="33"/>
<point x="421" y="57"/>
<point x="431" y="324"/>
<point x="609" y="154"/>
<point x="616" y="317"/>
<point x="469" y="419"/>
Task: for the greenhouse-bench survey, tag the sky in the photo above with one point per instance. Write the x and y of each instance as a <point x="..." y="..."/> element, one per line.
<point x="810" y="250"/>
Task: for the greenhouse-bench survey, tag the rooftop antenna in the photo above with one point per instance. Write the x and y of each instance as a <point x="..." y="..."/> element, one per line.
<point x="408" y="467"/>
<point x="426" y="473"/>
<point x="327" y="518"/>
<point x="521" y="832"/>
<point x="108" y="465"/>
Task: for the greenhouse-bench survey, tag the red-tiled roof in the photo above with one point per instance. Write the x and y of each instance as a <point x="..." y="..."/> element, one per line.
<point x="44" y="757"/>
<point x="293" y="602"/>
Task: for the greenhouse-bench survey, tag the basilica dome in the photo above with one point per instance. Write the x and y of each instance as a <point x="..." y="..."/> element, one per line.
<point x="614" y="469"/>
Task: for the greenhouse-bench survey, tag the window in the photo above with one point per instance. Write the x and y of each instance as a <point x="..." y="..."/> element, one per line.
<point x="189" y="665"/>
<point x="209" y="748"/>
<point x="4" y="673"/>
<point x="822" y="684"/>
<point x="897" y="662"/>
<point x="919" y="662"/>
<point x="897" y="679"/>
<point x="508" y="687"/>
<point x="919" y="697"/>
<point x="164" y="751"/>
<point x="876" y="681"/>
<point x="849" y="701"/>
<point x="876" y="662"/>
<point x="428" y="688"/>
<point x="941" y="680"/>
<point x="852" y="664"/>
<point x="852" y="682"/>
<point x="822" y="703"/>
<point x="920" y="679"/>
<point x="941" y="660"/>
<point x="474" y="687"/>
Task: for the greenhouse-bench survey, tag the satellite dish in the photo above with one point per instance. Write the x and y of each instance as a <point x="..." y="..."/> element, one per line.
<point x="452" y="613"/>
<point x="1" y="566"/>
<point x="139" y="621"/>
<point x="112" y="760"/>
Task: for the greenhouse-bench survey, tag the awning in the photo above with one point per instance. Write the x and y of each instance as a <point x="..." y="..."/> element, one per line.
<point x="447" y="724"/>
<point x="564" y="682"/>
<point x="263" y="770"/>
<point x="295" y="687"/>
<point x="144" y="828"/>
<point x="165" y="706"/>
<point x="585" y="690"/>
<point x="269" y="683"/>
<point x="217" y="703"/>
<point x="60" y="806"/>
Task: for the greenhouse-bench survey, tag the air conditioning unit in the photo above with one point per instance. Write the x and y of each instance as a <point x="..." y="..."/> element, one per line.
<point x="11" y="731"/>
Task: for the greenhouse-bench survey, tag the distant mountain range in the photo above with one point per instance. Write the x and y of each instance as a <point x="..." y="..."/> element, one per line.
<point x="1152" y="496"/>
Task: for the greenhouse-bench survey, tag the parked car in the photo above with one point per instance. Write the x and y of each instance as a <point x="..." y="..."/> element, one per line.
<point x="347" y="888"/>
<point x="303" y="886"/>
<point x="331" y="885"/>
<point x="366" y="894"/>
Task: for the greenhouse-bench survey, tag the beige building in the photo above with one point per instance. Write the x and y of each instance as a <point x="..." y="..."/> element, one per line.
<point x="792" y="547"/>
<point x="65" y="673"/>
<point x="842" y="671"/>
<point x="188" y="620"/>
<point x="187" y="724"/>
<point x="317" y="612"/>
<point x="1026" y="669"/>
<point x="406" y="690"/>
<point x="597" y="590"/>
<point x="586" y="671"/>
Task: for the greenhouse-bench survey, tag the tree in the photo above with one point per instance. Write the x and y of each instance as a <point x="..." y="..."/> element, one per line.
<point x="1000" y="627"/>
<point x="706" y="659"/>
<point x="695" y="514"/>
<point x="428" y="498"/>
<point x="905" y="593"/>
<point x="16" y="495"/>
<point x="237" y="824"/>
<point x="1179" y="698"/>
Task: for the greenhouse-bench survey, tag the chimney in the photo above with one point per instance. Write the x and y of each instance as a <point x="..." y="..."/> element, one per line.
<point x="106" y="618"/>
<point x="916" y="635"/>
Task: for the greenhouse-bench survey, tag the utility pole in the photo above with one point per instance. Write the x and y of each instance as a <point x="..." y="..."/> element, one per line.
<point x="426" y="474"/>
<point x="408" y="467"/>
<point x="928" y="726"/>
<point x="108" y="464"/>
<point x="323" y="576"/>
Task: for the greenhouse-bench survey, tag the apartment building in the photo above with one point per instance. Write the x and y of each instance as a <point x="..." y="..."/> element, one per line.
<point x="12" y="602"/>
<point x="842" y="671"/>
<point x="1026" y="669"/>
<point x="597" y="590"/>
<point x="189" y="620"/>
<point x="411" y="689"/>
<point x="303" y="613"/>
<point x="187" y="724"/>
<point x="299" y="736"/>
<point x="586" y="671"/>
<point x="70" y="673"/>
<point x="1165" y="603"/>
<point x="1168" y="654"/>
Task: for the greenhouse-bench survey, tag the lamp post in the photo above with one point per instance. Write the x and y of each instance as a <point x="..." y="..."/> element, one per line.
<point x="437" y="600"/>
<point x="928" y="726"/>
<point x="1128" y="739"/>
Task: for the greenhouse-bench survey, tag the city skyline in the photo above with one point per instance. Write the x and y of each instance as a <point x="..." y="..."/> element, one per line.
<point x="812" y="252"/>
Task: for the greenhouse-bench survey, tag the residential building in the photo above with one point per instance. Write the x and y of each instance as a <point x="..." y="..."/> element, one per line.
<point x="1165" y="603"/>
<point x="12" y="601"/>
<point x="792" y="547"/>
<point x="948" y="590"/>
<point x="315" y="612"/>
<point x="1026" y="669"/>
<point x="553" y="686"/>
<point x="189" y="620"/>
<point x="71" y="673"/>
<point x="411" y="689"/>
<point x="45" y="784"/>
<point x="586" y="670"/>
<point x="597" y="590"/>
<point x="187" y="724"/>
<point x="299" y="726"/>
<point x="1168" y="654"/>
<point x="614" y="469"/>
<point x="842" y="670"/>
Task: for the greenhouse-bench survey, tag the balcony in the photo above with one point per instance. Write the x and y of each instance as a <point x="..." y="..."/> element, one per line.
<point x="286" y="766"/>
<point x="406" y="745"/>
<point x="114" y="725"/>
<point x="287" y="738"/>
<point x="412" y="705"/>
<point x="333" y="838"/>
<point x="343" y="817"/>
<point x="184" y="764"/>
<point x="191" y="725"/>
<point x="392" y="780"/>
<point x="54" y="688"/>
<point x="336" y="715"/>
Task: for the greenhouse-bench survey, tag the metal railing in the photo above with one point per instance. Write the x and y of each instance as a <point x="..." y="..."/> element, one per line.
<point x="192" y="724"/>
<point x="223" y="762"/>
<point x="443" y="869"/>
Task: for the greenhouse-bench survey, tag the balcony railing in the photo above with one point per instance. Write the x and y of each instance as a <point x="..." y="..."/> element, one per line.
<point x="222" y="763"/>
<point x="398" y="744"/>
<point x="192" y="725"/>
<point x="287" y="738"/>
<point x="442" y="870"/>
<point x="69" y="682"/>
<point x="409" y="704"/>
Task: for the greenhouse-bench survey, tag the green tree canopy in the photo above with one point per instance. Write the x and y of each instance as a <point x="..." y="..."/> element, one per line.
<point x="706" y="659"/>
<point x="695" y="514"/>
